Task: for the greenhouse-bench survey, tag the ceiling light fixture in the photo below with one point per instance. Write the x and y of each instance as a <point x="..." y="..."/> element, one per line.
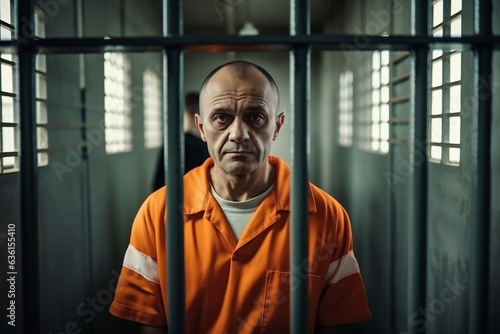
<point x="248" y="28"/>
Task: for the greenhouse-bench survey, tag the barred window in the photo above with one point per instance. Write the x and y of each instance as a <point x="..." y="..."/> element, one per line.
<point x="117" y="106"/>
<point x="446" y="87"/>
<point x="377" y="125"/>
<point x="345" y="108"/>
<point x="9" y="145"/>
<point x="152" y="109"/>
<point x="41" y="94"/>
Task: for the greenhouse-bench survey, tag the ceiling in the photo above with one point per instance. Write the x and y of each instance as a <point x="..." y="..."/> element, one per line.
<point x="228" y="16"/>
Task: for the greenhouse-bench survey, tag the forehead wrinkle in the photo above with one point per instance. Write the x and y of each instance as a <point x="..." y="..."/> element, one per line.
<point x="225" y="99"/>
<point x="219" y="107"/>
<point x="238" y="93"/>
<point x="245" y="108"/>
<point x="216" y="89"/>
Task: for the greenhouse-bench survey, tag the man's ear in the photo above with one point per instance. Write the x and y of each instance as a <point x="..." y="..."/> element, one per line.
<point x="199" y="125"/>
<point x="279" y="123"/>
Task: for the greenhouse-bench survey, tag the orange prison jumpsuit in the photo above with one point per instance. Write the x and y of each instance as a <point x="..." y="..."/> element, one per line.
<point x="242" y="286"/>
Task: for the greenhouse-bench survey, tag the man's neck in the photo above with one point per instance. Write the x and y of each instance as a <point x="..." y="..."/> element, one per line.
<point x="242" y="187"/>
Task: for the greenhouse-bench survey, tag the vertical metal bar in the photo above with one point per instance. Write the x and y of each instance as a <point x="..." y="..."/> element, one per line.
<point x="174" y="161"/>
<point x="300" y="17"/>
<point x="480" y="233"/>
<point x="391" y="200"/>
<point x="391" y="212"/>
<point x="392" y="234"/>
<point x="418" y="148"/>
<point x="85" y="168"/>
<point x="300" y="65"/>
<point x="30" y="228"/>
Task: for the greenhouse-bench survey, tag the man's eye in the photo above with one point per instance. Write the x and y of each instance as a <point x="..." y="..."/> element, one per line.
<point x="221" y="118"/>
<point x="256" y="117"/>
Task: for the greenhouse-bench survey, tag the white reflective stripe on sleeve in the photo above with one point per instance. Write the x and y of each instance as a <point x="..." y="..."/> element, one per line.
<point x="142" y="264"/>
<point x="341" y="268"/>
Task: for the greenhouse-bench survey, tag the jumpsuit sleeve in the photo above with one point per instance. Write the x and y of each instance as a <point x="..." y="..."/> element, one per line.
<point x="343" y="298"/>
<point x="138" y="295"/>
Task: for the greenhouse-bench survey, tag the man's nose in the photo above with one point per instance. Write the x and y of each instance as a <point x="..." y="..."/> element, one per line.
<point x="238" y="131"/>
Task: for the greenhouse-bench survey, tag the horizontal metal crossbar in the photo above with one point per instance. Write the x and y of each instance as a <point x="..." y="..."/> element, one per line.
<point x="225" y="43"/>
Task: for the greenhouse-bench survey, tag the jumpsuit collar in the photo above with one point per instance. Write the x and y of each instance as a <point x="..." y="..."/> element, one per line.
<point x="197" y="188"/>
<point x="272" y="207"/>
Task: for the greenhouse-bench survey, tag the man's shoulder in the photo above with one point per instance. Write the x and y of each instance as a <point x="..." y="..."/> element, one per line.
<point x="323" y="199"/>
<point x="157" y="198"/>
<point x="318" y="192"/>
<point x="320" y="197"/>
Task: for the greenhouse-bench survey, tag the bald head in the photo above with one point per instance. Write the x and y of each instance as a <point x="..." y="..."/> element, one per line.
<point x="239" y="120"/>
<point x="241" y="70"/>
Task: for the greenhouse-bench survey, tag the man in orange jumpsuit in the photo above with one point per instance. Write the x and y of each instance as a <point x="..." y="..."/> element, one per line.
<point x="236" y="228"/>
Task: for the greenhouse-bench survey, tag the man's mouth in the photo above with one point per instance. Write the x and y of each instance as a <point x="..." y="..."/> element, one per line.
<point x="238" y="153"/>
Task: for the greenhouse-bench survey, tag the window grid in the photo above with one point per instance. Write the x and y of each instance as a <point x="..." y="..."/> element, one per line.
<point x="9" y="144"/>
<point x="41" y="93"/>
<point x="117" y="106"/>
<point x="376" y="123"/>
<point x="8" y="129"/>
<point x="153" y="135"/>
<point x="9" y="139"/>
<point x="362" y="121"/>
<point x="445" y="95"/>
<point x="345" y="108"/>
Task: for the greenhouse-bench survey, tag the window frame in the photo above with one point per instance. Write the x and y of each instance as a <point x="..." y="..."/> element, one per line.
<point x="444" y="146"/>
<point x="9" y="60"/>
<point x="118" y="120"/>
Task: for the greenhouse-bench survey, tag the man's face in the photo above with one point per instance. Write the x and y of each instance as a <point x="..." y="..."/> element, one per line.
<point x="238" y="120"/>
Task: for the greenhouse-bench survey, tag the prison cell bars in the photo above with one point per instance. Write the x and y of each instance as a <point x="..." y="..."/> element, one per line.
<point x="417" y="243"/>
<point x="174" y="161"/>
<point x="481" y="196"/>
<point x="30" y="227"/>
<point x="172" y="44"/>
<point x="85" y="176"/>
<point x="300" y="72"/>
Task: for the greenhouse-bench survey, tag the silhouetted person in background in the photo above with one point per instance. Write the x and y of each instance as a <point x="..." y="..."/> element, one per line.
<point x="195" y="149"/>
